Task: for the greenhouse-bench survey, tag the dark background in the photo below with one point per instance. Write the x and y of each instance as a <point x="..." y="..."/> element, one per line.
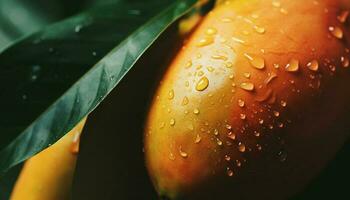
<point x="110" y="165"/>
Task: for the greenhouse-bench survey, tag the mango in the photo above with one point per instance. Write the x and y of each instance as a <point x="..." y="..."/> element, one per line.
<point x="255" y="104"/>
<point x="49" y="174"/>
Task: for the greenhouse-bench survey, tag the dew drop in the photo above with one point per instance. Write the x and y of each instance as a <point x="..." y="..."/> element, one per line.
<point x="283" y="103"/>
<point x="247" y="86"/>
<point x="218" y="141"/>
<point x="345" y="61"/>
<point x="343" y="16"/>
<point x="231" y="135"/>
<point x="219" y="57"/>
<point x="259" y="29"/>
<point x="238" y="40"/>
<point x="261" y="121"/>
<point x="172" y="122"/>
<point x="202" y="84"/>
<point x="282" y="155"/>
<point x="171" y="95"/>
<point x="241" y="103"/>
<point x="205" y="42"/>
<point x="241" y="147"/>
<point x="188" y="64"/>
<point x="229" y="172"/>
<point x="216" y="132"/>
<point x="336" y="31"/>
<point x="184" y="101"/>
<point x="292" y="66"/>
<point x="256" y="133"/>
<point x="211" y="31"/>
<point x="198" y="139"/>
<point x="196" y="111"/>
<point x="247" y="75"/>
<point x="255" y="61"/>
<point x="183" y="153"/>
<point x="313" y="65"/>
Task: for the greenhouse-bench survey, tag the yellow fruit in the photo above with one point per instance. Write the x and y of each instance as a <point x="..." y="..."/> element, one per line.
<point x="254" y="104"/>
<point x="49" y="174"/>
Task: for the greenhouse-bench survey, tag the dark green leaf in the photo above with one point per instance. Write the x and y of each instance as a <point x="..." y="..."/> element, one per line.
<point x="48" y="82"/>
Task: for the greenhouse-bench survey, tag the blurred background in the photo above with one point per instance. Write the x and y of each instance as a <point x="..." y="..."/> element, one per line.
<point x="22" y="17"/>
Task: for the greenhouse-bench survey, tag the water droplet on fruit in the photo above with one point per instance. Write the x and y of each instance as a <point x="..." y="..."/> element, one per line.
<point x="241" y="103"/>
<point x="171" y="95"/>
<point x="184" y="101"/>
<point x="171" y="156"/>
<point x="284" y="11"/>
<point x="227" y="157"/>
<point x="183" y="153"/>
<point x="198" y="139"/>
<point x="219" y="57"/>
<point x="270" y="77"/>
<point x="196" y="111"/>
<point x="247" y="86"/>
<point x="202" y="84"/>
<point x="189" y="64"/>
<point x="172" y="122"/>
<point x="231" y="135"/>
<point x="343" y="16"/>
<point x="255" y="61"/>
<point x="242" y="116"/>
<point x="238" y="40"/>
<point x="283" y="103"/>
<point x="216" y="132"/>
<point x="229" y="172"/>
<point x="292" y="66"/>
<point x="226" y="20"/>
<point x="336" y="31"/>
<point x="276" y="113"/>
<point x="276" y="4"/>
<point x="313" y="65"/>
<point x="211" y="31"/>
<point x="205" y="41"/>
<point x="218" y="141"/>
<point x="345" y="61"/>
<point x="259" y="29"/>
<point x="241" y="147"/>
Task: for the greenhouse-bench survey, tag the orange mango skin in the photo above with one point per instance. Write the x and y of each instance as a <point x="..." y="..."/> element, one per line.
<point x="294" y="122"/>
<point x="49" y="174"/>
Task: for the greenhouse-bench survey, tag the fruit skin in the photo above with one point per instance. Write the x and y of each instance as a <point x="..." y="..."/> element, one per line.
<point x="49" y="174"/>
<point x="296" y="143"/>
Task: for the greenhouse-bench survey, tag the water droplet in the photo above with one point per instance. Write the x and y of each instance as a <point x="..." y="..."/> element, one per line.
<point x="205" y="41"/>
<point x="247" y="75"/>
<point x="256" y="133"/>
<point x="78" y="28"/>
<point x="228" y="64"/>
<point x="196" y="111"/>
<point x="162" y="125"/>
<point x="258" y="146"/>
<point x="188" y="64"/>
<point x="255" y="61"/>
<point x="259" y="29"/>
<point x="227" y="157"/>
<point x="345" y="61"/>
<point x="247" y="86"/>
<point x="276" y="113"/>
<point x="282" y="155"/>
<point x="284" y="11"/>
<point x="241" y="147"/>
<point x="231" y="135"/>
<point x="198" y="139"/>
<point x="270" y="77"/>
<point x="238" y="163"/>
<point x="202" y="84"/>
<point x="343" y="16"/>
<point x="171" y="156"/>
<point x="210" y="69"/>
<point x="242" y="116"/>
<point x="216" y="132"/>
<point x="218" y="141"/>
<point x="313" y="65"/>
<point x="229" y="172"/>
<point x="211" y="31"/>
<point x="336" y="31"/>
<point x="238" y="40"/>
<point x="241" y="103"/>
<point x="219" y="57"/>
<point x="292" y="66"/>
<point x="171" y="95"/>
<point x="283" y="103"/>
<point x="183" y="153"/>
<point x="261" y="121"/>
<point x="226" y="20"/>
<point x="184" y="101"/>
<point x="172" y="122"/>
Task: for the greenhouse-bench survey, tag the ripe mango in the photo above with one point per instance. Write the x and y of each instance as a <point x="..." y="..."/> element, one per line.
<point x="255" y="103"/>
<point x="49" y="174"/>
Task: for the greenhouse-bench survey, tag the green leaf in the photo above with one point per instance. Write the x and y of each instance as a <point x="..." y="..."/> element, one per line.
<point x="48" y="81"/>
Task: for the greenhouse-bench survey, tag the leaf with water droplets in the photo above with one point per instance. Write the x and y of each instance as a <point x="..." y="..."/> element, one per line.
<point x="75" y="70"/>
